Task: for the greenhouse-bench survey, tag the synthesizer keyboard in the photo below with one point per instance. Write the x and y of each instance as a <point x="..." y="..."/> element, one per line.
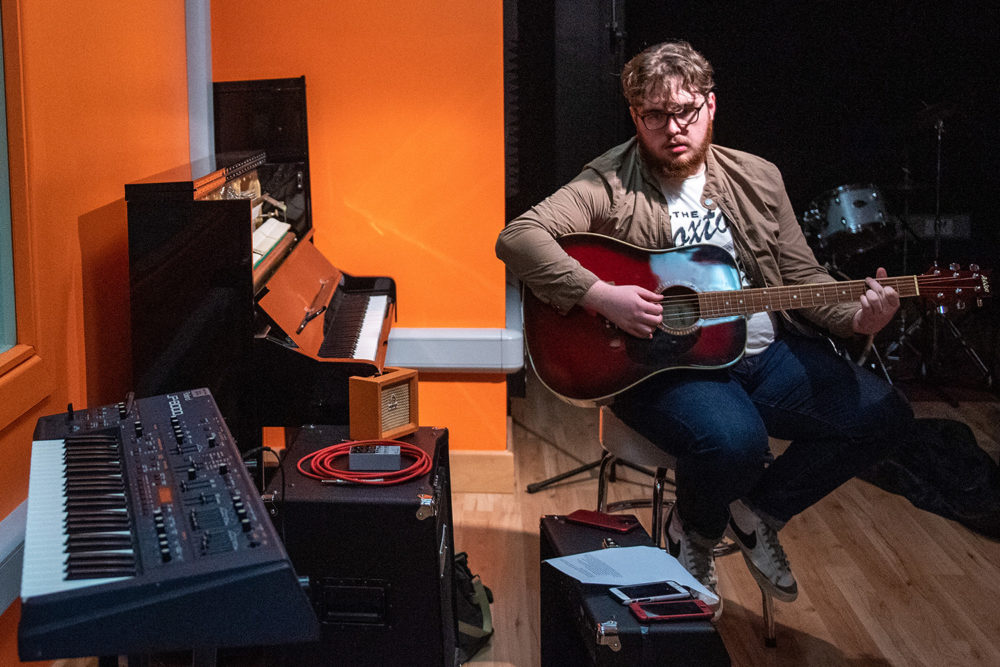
<point x="145" y="533"/>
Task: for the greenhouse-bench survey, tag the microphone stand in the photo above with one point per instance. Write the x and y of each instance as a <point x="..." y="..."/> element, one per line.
<point x="937" y="314"/>
<point x="939" y="129"/>
<point x="905" y="331"/>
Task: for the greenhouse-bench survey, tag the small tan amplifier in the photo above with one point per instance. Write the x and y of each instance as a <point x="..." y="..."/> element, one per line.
<point x="383" y="407"/>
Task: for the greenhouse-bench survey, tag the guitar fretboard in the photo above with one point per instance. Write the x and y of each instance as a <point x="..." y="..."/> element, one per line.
<point x="764" y="299"/>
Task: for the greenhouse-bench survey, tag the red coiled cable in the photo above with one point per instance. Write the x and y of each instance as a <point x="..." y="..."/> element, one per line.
<point x="321" y="464"/>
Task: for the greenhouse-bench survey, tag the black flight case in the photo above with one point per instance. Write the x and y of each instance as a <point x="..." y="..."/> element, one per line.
<point x="583" y="625"/>
<point x="378" y="559"/>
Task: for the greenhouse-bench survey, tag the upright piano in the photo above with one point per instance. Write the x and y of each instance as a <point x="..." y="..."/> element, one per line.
<point x="227" y="289"/>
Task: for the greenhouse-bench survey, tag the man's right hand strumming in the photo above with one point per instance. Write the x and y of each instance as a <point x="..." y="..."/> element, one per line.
<point x="635" y="310"/>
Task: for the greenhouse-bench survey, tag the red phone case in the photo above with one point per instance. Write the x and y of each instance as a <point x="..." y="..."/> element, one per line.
<point x="671" y="610"/>
<point x="620" y="523"/>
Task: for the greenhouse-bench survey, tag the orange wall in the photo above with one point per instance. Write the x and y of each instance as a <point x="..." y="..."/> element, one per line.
<point x="104" y="90"/>
<point x="405" y="106"/>
<point x="406" y="133"/>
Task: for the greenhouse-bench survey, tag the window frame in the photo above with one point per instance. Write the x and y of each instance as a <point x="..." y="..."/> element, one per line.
<point x="25" y="376"/>
<point x="7" y="305"/>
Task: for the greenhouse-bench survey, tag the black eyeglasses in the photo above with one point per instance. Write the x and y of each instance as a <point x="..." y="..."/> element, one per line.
<point x="657" y="120"/>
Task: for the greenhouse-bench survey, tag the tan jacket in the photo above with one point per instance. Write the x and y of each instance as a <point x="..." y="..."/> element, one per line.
<point x="615" y="195"/>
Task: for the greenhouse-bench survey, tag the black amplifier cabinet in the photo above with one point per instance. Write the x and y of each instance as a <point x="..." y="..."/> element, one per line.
<point x="583" y="625"/>
<point x="379" y="559"/>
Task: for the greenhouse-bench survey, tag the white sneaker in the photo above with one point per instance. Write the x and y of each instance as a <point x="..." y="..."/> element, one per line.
<point x="762" y="552"/>
<point x="694" y="554"/>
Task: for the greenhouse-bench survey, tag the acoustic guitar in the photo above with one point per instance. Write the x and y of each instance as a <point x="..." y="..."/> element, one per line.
<point x="586" y="359"/>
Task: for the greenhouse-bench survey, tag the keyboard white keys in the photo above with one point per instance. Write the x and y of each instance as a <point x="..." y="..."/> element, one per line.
<point x="45" y="551"/>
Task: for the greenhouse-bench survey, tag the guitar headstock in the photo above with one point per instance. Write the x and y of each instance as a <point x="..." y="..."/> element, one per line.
<point x="954" y="287"/>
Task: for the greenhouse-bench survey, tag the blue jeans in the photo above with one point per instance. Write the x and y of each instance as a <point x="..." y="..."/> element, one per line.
<point x="841" y="419"/>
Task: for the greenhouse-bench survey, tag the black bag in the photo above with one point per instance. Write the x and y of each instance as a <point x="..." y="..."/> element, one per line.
<point x="472" y="609"/>
<point x="944" y="470"/>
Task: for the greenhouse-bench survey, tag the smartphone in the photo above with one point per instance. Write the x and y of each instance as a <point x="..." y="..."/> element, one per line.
<point x="672" y="610"/>
<point x="621" y="523"/>
<point x="660" y="590"/>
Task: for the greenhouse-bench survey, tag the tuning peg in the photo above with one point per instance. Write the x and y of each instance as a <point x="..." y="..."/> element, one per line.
<point x="954" y="266"/>
<point x="960" y="305"/>
<point x="974" y="268"/>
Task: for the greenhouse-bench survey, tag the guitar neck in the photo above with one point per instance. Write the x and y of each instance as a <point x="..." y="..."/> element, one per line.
<point x="766" y="299"/>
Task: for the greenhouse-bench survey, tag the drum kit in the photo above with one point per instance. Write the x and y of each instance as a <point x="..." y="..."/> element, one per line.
<point x="846" y="227"/>
<point x="846" y="222"/>
<point x="852" y="232"/>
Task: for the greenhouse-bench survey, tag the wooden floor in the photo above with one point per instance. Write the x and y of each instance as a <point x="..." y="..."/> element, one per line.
<point x="881" y="582"/>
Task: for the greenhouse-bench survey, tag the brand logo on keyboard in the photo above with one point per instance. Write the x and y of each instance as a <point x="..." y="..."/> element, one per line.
<point x="174" y="402"/>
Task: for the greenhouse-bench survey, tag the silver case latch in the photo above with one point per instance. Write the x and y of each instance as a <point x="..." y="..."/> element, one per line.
<point x="607" y="635"/>
<point x="428" y="506"/>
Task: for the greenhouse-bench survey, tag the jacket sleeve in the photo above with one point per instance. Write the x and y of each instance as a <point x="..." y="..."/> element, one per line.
<point x="528" y="246"/>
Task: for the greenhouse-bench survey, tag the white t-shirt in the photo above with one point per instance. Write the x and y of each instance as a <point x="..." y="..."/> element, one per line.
<point x="692" y="223"/>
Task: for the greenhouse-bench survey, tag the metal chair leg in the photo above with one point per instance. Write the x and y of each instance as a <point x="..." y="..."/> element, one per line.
<point x="659" y="482"/>
<point x="767" y="602"/>
<point x="607" y="465"/>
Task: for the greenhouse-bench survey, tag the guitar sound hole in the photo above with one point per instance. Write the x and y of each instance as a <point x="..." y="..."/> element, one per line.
<point x="680" y="310"/>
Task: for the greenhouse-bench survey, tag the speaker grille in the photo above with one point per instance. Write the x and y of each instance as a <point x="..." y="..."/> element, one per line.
<point x="396" y="406"/>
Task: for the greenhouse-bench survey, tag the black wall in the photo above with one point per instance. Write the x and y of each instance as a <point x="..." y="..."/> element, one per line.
<point x="833" y="93"/>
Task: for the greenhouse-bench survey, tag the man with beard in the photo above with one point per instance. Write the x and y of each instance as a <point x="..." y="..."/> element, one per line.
<point x="670" y="186"/>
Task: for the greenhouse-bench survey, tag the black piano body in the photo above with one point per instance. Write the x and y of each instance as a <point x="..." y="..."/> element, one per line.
<point x="261" y="319"/>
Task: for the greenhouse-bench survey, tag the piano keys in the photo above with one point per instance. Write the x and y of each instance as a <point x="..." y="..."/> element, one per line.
<point x="145" y="533"/>
<point x="362" y="338"/>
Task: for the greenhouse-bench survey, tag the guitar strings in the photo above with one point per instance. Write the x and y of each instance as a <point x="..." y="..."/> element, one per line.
<point x="693" y="300"/>
<point x="824" y="287"/>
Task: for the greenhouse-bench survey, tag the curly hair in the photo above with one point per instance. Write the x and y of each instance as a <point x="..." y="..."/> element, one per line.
<point x="660" y="69"/>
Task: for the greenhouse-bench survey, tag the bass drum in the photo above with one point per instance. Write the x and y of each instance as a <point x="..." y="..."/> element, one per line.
<point x="846" y="221"/>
